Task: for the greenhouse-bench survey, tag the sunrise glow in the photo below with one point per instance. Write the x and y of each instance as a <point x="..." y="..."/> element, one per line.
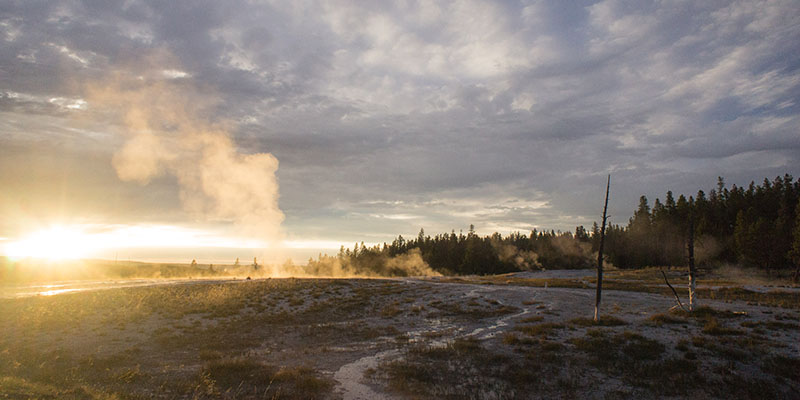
<point x="69" y="242"/>
<point x="54" y="243"/>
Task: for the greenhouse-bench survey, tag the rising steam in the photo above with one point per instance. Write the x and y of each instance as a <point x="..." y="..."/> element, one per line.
<point x="524" y="260"/>
<point x="378" y="265"/>
<point x="168" y="132"/>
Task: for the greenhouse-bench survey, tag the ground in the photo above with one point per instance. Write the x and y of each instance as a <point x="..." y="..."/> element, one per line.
<point x="525" y="335"/>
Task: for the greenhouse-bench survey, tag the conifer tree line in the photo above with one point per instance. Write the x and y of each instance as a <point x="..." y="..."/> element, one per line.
<point x="755" y="226"/>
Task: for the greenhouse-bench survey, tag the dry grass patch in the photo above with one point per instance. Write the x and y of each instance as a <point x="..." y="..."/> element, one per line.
<point x="706" y="313"/>
<point x="18" y="388"/>
<point x="605" y="320"/>
<point x="543" y="329"/>
<point x="639" y="361"/>
<point x="772" y="325"/>
<point x="772" y="298"/>
<point x="784" y="367"/>
<point x="231" y="377"/>
<point x="714" y="327"/>
<point x="661" y="319"/>
<point x="462" y="369"/>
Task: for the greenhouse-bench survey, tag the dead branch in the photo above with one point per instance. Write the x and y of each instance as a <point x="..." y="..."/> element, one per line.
<point x="673" y="289"/>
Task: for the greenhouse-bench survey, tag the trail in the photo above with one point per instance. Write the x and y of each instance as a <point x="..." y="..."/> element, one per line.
<point x="351" y="375"/>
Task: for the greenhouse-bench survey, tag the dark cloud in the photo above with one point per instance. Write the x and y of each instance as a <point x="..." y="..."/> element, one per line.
<point x="389" y="117"/>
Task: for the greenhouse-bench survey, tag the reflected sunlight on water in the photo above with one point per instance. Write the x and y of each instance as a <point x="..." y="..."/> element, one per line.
<point x="56" y="288"/>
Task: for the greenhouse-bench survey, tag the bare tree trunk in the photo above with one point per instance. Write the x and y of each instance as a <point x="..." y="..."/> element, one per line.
<point x="692" y="271"/>
<point x="600" y="255"/>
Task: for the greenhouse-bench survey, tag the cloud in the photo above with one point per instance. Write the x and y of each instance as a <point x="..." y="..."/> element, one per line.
<point x="425" y="101"/>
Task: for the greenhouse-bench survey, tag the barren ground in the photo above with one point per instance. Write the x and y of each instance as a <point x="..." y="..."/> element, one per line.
<point x="526" y="335"/>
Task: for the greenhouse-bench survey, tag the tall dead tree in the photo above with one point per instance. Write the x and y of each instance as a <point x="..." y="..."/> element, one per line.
<point x="692" y="270"/>
<point x="600" y="254"/>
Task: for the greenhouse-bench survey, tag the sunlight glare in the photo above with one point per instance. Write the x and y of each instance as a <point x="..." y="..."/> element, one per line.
<point x="68" y="242"/>
<point x="54" y="243"/>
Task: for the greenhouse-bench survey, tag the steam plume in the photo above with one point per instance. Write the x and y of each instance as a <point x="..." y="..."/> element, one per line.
<point x="524" y="260"/>
<point x="167" y="132"/>
<point x="409" y="264"/>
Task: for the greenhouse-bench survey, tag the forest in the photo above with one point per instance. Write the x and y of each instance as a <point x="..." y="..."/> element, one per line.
<point x="755" y="226"/>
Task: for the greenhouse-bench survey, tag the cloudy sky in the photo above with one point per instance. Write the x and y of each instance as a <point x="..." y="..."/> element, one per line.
<point x="383" y="117"/>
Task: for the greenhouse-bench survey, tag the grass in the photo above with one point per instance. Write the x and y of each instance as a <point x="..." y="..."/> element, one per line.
<point x="131" y="340"/>
<point x="604" y="320"/>
<point x="714" y="327"/>
<point x="773" y="298"/>
<point x="18" y="388"/>
<point x="391" y="310"/>
<point x="263" y="338"/>
<point x="621" y="352"/>
<point x="661" y="319"/>
<point x="474" y="312"/>
<point x="244" y="375"/>
<point x="543" y="329"/>
<point x="647" y="280"/>
<point x="463" y="368"/>
<point x="706" y="313"/>
<point x="783" y="367"/>
<point x="773" y="325"/>
<point x="640" y="361"/>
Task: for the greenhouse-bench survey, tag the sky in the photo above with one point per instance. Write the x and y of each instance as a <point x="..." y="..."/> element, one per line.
<point x="202" y="128"/>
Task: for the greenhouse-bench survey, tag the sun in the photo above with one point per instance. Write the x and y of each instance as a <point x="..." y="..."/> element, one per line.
<point x="54" y="243"/>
